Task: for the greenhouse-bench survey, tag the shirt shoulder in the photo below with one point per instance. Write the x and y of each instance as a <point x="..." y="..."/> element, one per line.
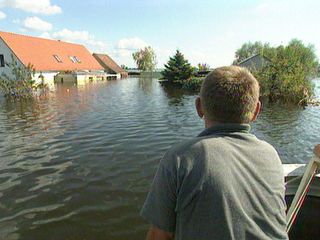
<point x="182" y="153"/>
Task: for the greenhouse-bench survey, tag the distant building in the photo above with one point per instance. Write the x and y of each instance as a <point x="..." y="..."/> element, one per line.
<point x="53" y="60"/>
<point x="255" y="62"/>
<point x="110" y="66"/>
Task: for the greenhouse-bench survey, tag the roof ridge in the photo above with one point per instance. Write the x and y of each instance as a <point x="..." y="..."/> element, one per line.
<point x="248" y="58"/>
<point x="101" y="54"/>
<point x="41" y="38"/>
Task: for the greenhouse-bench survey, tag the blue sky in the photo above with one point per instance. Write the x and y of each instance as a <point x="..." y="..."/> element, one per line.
<point x="205" y="30"/>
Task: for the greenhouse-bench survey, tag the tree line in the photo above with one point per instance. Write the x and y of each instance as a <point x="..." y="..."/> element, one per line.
<point x="286" y="76"/>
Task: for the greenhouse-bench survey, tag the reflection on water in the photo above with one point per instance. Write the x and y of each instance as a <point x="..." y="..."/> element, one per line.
<point x="175" y="94"/>
<point x="77" y="164"/>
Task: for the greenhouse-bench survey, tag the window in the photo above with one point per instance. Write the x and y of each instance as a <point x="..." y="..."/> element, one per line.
<point x="57" y="58"/>
<point x="74" y="59"/>
<point x="77" y="59"/>
<point x="2" y="64"/>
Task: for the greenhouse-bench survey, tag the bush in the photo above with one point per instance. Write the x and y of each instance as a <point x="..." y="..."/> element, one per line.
<point x="203" y="67"/>
<point x="21" y="85"/>
<point x="287" y="77"/>
<point x="194" y="83"/>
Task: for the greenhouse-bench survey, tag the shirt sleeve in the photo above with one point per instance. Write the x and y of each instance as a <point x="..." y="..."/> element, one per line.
<point x="160" y="204"/>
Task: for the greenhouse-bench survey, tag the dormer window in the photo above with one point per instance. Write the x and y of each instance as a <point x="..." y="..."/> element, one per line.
<point x="74" y="59"/>
<point x="57" y="58"/>
<point x="2" y="63"/>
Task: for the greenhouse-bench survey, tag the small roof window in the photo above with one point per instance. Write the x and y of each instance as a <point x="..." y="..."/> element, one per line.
<point x="74" y="59"/>
<point x="77" y="59"/>
<point x="57" y="58"/>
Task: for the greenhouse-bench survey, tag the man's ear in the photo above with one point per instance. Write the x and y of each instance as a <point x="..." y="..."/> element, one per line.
<point x="256" y="111"/>
<point x="199" y="107"/>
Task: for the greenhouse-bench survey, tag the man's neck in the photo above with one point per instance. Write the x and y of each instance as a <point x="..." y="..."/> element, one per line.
<point x="208" y="123"/>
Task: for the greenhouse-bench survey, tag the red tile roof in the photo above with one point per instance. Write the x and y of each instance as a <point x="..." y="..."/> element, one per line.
<point x="40" y="53"/>
<point x="108" y="63"/>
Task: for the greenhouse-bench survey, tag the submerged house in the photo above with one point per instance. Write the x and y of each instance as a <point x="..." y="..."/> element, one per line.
<point x="53" y="60"/>
<point x="255" y="62"/>
<point x="110" y="66"/>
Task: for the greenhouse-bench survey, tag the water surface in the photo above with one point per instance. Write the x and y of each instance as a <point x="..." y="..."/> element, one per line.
<point x="78" y="163"/>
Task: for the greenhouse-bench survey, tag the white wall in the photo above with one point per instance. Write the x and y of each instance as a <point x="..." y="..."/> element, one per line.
<point x="7" y="53"/>
<point x="48" y="77"/>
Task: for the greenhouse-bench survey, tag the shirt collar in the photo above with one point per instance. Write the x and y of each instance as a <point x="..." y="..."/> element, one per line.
<point x="226" y="128"/>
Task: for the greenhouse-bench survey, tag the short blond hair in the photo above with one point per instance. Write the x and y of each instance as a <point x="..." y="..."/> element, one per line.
<point x="230" y="95"/>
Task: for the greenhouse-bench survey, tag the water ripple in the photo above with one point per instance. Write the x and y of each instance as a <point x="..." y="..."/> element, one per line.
<point x="78" y="164"/>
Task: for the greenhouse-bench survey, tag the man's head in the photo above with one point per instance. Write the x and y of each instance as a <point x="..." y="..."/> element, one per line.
<point x="229" y="95"/>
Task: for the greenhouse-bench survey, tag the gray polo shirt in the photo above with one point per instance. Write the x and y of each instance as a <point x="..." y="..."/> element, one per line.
<point x="224" y="184"/>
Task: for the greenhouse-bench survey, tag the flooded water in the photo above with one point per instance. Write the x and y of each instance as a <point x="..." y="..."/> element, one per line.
<point x="78" y="163"/>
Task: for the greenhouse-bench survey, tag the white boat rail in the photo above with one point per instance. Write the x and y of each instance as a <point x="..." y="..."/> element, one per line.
<point x="308" y="172"/>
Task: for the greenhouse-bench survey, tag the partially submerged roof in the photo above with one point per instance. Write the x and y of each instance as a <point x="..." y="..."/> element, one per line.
<point x="50" y="55"/>
<point x="252" y="57"/>
<point x="108" y="63"/>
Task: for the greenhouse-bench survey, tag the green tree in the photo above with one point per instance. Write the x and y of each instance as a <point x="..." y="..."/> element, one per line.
<point x="145" y="59"/>
<point x="21" y="84"/>
<point x="249" y="49"/>
<point x="177" y="69"/>
<point x="288" y="75"/>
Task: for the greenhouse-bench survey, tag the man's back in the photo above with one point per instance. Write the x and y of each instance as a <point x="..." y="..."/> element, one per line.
<point x="225" y="184"/>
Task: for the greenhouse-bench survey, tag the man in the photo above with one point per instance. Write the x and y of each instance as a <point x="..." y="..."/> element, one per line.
<point x="226" y="183"/>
